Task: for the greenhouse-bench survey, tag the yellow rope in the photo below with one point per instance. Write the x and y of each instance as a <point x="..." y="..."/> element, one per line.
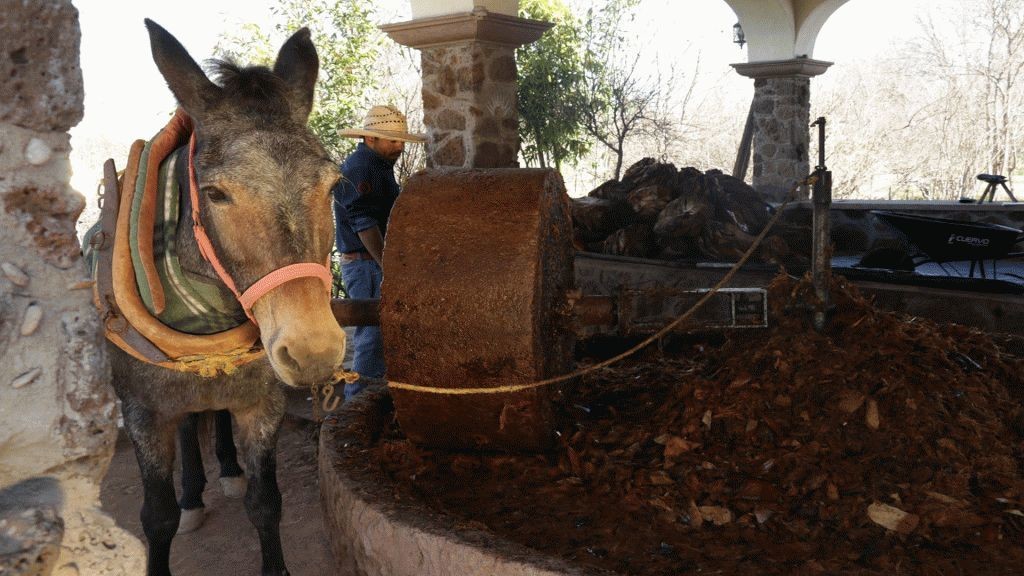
<point x="212" y="365"/>
<point x="668" y="328"/>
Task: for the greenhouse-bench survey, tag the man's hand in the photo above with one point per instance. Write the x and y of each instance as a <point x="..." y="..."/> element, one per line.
<point x="373" y="240"/>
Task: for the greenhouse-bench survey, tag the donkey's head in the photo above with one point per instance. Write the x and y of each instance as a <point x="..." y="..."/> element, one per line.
<point x="264" y="193"/>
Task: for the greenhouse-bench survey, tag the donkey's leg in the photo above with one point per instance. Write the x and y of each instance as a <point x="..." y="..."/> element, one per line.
<point x="153" y="439"/>
<point x="231" y="480"/>
<point x="193" y="475"/>
<point x="259" y="426"/>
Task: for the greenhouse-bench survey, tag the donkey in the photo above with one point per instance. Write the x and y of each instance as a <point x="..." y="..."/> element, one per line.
<point x="264" y="184"/>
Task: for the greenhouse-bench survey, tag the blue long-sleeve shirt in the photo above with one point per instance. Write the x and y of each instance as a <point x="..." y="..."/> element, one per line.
<point x="363" y="198"/>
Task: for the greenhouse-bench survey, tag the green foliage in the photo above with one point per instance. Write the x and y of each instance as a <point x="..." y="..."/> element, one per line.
<point x="348" y="43"/>
<point x="602" y="32"/>
<point x="550" y="92"/>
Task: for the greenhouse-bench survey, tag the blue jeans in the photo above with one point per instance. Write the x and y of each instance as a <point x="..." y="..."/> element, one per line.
<point x="362" y="280"/>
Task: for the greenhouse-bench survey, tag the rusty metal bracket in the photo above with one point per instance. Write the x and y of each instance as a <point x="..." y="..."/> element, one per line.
<point x="647" y="311"/>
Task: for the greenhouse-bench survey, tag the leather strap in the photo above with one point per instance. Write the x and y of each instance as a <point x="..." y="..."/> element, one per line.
<point x="202" y="239"/>
<point x="353" y="256"/>
<point x="117" y="327"/>
<point x="282" y="275"/>
<point x="129" y="324"/>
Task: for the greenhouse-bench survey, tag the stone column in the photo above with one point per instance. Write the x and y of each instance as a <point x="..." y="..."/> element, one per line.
<point x="781" y="114"/>
<point x="469" y="84"/>
<point x="57" y="409"/>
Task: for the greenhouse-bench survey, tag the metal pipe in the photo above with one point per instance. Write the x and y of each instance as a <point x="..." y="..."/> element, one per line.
<point x="821" y="233"/>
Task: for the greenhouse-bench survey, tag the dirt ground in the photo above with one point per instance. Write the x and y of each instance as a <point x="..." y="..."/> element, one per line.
<point x="227" y="544"/>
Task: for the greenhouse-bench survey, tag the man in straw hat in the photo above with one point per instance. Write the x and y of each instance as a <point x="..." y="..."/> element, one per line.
<point x="362" y="204"/>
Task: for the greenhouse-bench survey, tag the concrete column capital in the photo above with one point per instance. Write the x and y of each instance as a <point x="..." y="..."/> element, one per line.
<point x="478" y="25"/>
<point x="793" y="68"/>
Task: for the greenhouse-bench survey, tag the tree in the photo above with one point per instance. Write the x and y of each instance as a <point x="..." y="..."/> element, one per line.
<point x="349" y="45"/>
<point x="946" y="107"/>
<point x="971" y="61"/>
<point x="619" y="100"/>
<point x="868" y="143"/>
<point x="1000" y="70"/>
<point x="550" y="88"/>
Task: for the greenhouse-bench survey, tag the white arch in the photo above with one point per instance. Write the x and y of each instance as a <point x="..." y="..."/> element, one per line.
<point x="782" y="29"/>
<point x="769" y="27"/>
<point x="810" y="26"/>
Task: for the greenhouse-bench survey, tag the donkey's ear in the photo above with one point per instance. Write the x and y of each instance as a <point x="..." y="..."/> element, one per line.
<point x="185" y="78"/>
<point x="298" y="64"/>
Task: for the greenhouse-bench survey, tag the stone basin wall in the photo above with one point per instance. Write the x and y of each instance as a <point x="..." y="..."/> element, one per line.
<point x="372" y="533"/>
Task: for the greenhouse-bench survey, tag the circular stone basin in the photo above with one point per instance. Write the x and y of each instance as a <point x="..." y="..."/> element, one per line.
<point x="373" y="534"/>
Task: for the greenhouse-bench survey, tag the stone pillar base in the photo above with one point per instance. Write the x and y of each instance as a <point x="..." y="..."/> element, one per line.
<point x="469" y="105"/>
<point x="781" y="115"/>
<point x="469" y="85"/>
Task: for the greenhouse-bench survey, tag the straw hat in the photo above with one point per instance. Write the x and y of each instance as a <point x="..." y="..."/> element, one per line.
<point x="384" y="122"/>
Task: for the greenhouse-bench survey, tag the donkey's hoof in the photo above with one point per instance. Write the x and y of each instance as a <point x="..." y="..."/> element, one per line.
<point x="233" y="486"/>
<point x="191" y="520"/>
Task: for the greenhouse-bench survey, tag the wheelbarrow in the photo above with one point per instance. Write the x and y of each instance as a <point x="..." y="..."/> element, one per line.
<point x="942" y="240"/>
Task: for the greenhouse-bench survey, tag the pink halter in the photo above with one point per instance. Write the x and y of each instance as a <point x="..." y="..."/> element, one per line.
<point x="261" y="286"/>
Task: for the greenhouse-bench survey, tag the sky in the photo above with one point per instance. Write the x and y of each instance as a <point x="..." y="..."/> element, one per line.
<point x="126" y="98"/>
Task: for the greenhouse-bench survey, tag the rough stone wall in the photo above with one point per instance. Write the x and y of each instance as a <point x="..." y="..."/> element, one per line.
<point x="469" y="105"/>
<point x="57" y="409"/>
<point x="781" y="109"/>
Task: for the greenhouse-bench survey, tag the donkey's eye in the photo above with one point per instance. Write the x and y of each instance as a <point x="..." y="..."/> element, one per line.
<point x="215" y="195"/>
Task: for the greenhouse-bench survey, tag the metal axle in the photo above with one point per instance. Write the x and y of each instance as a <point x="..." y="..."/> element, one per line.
<point x="632" y="312"/>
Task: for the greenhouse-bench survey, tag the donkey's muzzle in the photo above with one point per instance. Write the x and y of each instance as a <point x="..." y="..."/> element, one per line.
<point x="304" y="342"/>
<point x="305" y="365"/>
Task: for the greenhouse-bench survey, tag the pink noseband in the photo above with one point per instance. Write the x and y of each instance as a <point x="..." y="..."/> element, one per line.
<point x="261" y="286"/>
